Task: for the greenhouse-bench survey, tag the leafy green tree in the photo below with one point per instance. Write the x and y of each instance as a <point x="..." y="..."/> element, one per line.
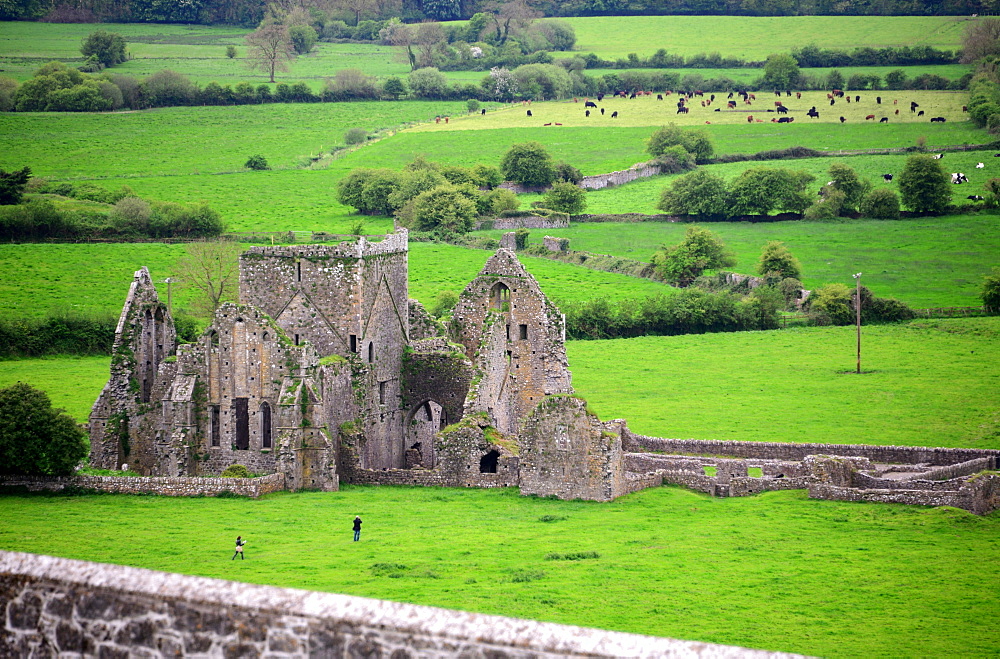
<point x="990" y="293"/>
<point x="775" y="258"/>
<point x="567" y="172"/>
<point x="107" y="47"/>
<point x="923" y="185"/>
<point x="895" y="79"/>
<point x="835" y="80"/>
<point x="355" y="135"/>
<point x="167" y="88"/>
<point x="393" y="87"/>
<point x="487" y="176"/>
<point x="472" y="105"/>
<point x="12" y="185"/>
<point x="376" y="195"/>
<point x="881" y="204"/>
<point x="428" y="82"/>
<point x="565" y="197"/>
<point x="447" y="210"/>
<point x="499" y="201"/>
<point x="303" y="38"/>
<point x="846" y="180"/>
<point x="34" y="438"/>
<point x="349" y="188"/>
<point x="8" y="87"/>
<point x="695" y="141"/>
<point x="700" y="250"/>
<point x="781" y="71"/>
<point x="543" y="81"/>
<point x="760" y="190"/>
<point x="529" y="164"/>
<point x="256" y="161"/>
<point x="230" y="51"/>
<point x="441" y="10"/>
<point x="831" y="305"/>
<point x="699" y="193"/>
<point x="444" y="303"/>
<point x="827" y="207"/>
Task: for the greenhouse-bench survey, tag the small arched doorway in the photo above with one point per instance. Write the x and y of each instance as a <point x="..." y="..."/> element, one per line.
<point x="423" y="422"/>
<point x="488" y="463"/>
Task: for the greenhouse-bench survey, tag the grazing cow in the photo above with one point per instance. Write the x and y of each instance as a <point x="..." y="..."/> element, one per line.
<point x="558" y="124"/>
<point x="680" y="110"/>
<point x="798" y="94"/>
<point x="548" y="124"/>
<point x="979" y="165"/>
<point x="730" y="95"/>
<point x="965" y="108"/>
<point x="529" y="113"/>
<point x="777" y="93"/>
<point x="614" y="115"/>
<point x="884" y="120"/>
<point x="788" y="93"/>
<point x="842" y="120"/>
<point x="731" y="105"/>
<point x="749" y="118"/>
<point x="659" y="97"/>
<point x="914" y="106"/>
<point x="878" y="99"/>
<point x="711" y="98"/>
<point x="782" y="109"/>
<point x="587" y="113"/>
<point x="848" y="99"/>
<point x="590" y="104"/>
<point x="975" y="197"/>
<point x="887" y="178"/>
<point x="871" y="117"/>
<point x="857" y="99"/>
<point x="483" y="112"/>
<point x="958" y="178"/>
<point x="938" y="120"/>
<point x="937" y="156"/>
<point x="753" y="97"/>
<point x="602" y="111"/>
<point x="777" y="104"/>
<point x="812" y="112"/>
<point x="632" y="95"/>
<point x="600" y="97"/>
<point x="832" y="101"/>
<point x="785" y="120"/>
<point x="897" y="111"/>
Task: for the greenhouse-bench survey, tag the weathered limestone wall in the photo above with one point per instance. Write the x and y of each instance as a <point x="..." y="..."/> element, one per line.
<point x="178" y="486"/>
<point x="635" y="172"/>
<point x="568" y="453"/>
<point x="556" y="244"/>
<point x="636" y="443"/>
<point x="523" y="221"/>
<point x="978" y="495"/>
<point x="56" y="606"/>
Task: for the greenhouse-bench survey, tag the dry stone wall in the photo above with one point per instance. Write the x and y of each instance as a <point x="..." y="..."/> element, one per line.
<point x="633" y="173"/>
<point x="61" y="607"/>
<point x="180" y="486"/>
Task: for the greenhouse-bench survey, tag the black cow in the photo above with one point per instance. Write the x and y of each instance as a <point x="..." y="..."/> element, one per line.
<point x="680" y="110"/>
<point x="590" y="104"/>
<point x="712" y="97"/>
<point x="782" y="109"/>
<point x="731" y="105"/>
<point x="600" y="97"/>
<point x="832" y="101"/>
<point x="884" y="120"/>
<point x="914" y="106"/>
<point x="785" y="120"/>
<point x="878" y="99"/>
<point x="659" y="97"/>
<point x="887" y="178"/>
<point x="730" y="95"/>
<point x="614" y="115"/>
<point x="842" y="120"/>
<point x="587" y="113"/>
<point x="938" y="120"/>
<point x="975" y="197"/>
<point x="920" y="114"/>
<point x="483" y="112"/>
<point x="812" y="113"/>
<point x="602" y="111"/>
<point x="529" y="113"/>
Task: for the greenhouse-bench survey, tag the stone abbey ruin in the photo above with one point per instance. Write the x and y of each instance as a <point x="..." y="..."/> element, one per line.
<point x="325" y="371"/>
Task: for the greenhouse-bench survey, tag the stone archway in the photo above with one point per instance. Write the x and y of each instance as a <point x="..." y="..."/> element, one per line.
<point x="422" y="423"/>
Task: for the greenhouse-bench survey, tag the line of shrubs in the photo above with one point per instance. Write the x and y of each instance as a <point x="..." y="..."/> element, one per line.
<point x="69" y="333"/>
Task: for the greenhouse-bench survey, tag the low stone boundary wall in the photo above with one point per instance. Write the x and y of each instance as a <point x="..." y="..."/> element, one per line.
<point x="56" y="605"/>
<point x="430" y="477"/>
<point x="635" y="172"/>
<point x="979" y="495"/>
<point x="956" y="470"/>
<point x="635" y="443"/>
<point x="179" y="486"/>
<point x="523" y="222"/>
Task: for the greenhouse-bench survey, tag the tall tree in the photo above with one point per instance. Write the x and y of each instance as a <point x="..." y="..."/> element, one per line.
<point x="923" y="185"/>
<point x="981" y="38"/>
<point x="212" y="269"/>
<point x="34" y="438"/>
<point x="269" y="49"/>
<point x="509" y="18"/>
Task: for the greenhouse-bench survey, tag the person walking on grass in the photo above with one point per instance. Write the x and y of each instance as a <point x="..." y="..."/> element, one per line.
<point x="239" y="548"/>
<point x="357" y="528"/>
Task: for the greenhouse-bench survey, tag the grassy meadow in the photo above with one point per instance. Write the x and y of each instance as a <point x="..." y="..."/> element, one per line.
<point x="776" y="571"/>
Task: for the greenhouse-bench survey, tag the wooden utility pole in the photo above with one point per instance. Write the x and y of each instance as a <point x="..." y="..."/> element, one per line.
<point x="857" y="315"/>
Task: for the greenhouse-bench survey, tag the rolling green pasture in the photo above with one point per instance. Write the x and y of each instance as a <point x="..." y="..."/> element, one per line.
<point x="87" y="278"/>
<point x="925" y="383"/>
<point x="926" y="262"/>
<point x="754" y="38"/>
<point x="775" y="571"/>
<point x="72" y="383"/>
<point x="648" y="111"/>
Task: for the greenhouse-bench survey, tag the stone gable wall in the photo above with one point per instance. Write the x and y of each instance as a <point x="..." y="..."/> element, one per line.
<point x="61" y="607"/>
<point x="179" y="486"/>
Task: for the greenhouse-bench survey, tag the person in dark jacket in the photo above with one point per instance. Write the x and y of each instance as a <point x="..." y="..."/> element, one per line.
<point x="239" y="547"/>
<point x="357" y="528"/>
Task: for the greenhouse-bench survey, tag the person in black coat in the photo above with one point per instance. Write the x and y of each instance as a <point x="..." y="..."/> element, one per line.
<point x="357" y="528"/>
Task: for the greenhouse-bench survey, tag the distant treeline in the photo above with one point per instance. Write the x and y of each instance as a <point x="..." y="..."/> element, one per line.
<point x="250" y="12"/>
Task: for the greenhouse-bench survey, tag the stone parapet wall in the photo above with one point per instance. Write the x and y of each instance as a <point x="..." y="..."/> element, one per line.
<point x="523" y="222"/>
<point x="179" y="486"/>
<point x="61" y="607"/>
<point x="636" y="443"/>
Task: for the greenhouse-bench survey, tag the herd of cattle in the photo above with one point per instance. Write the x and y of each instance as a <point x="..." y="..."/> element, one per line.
<point x="686" y="100"/>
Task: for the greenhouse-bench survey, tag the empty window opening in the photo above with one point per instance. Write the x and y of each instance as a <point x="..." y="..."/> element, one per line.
<point x="500" y="297"/>
<point x="428" y="411"/>
<point x="354" y="342"/>
<point x="213" y="339"/>
<point x="265" y="336"/>
<point x="381" y="392"/>
<point x="216" y="426"/>
<point x="508" y="331"/>
<point x="416" y="446"/>
<point x="298" y="271"/>
<point x="147" y="382"/>
<point x="488" y="463"/>
<point x="241" y="412"/>
<point x="522" y="331"/>
<point x="371" y="353"/>
<point x="265" y="425"/>
<point x="296" y="339"/>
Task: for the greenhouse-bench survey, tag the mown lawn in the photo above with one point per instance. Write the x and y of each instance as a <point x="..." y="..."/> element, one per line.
<point x="775" y="571"/>
<point x="72" y="383"/>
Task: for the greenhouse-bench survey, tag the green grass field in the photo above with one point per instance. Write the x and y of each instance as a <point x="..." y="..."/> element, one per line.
<point x="775" y="571"/>
<point x="72" y="383"/>
<point x="95" y="278"/>
<point x="755" y="38"/>
<point x="926" y="262"/>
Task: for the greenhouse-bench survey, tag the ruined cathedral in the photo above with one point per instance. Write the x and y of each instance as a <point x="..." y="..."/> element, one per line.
<point x="325" y="371"/>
